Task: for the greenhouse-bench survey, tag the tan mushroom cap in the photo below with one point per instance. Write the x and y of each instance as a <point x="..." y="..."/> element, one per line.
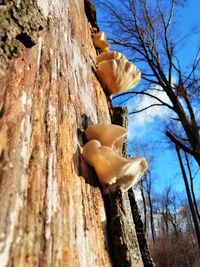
<point x="109" y="55"/>
<point x="107" y="134"/>
<point x="100" y="41"/>
<point x="116" y="72"/>
<point x="112" y="170"/>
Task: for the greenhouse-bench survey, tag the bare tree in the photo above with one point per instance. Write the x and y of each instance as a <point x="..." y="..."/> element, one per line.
<point x="177" y="245"/>
<point x="146" y="33"/>
<point x="191" y="204"/>
<point x="191" y="178"/>
<point x="145" y="208"/>
<point x="146" y="186"/>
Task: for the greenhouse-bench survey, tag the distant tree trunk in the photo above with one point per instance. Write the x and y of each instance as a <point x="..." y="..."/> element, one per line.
<point x="151" y="218"/>
<point x="166" y="220"/>
<point x="192" y="209"/>
<point x="173" y="221"/>
<point x="149" y="196"/>
<point x="145" y="212"/>
<point x="192" y="187"/>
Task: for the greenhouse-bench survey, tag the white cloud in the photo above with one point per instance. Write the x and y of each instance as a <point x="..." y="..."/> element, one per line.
<point x="139" y="122"/>
<point x="149" y="115"/>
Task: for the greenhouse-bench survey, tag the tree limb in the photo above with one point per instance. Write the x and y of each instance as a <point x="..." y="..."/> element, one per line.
<point x="150" y="106"/>
<point x="178" y="143"/>
<point x="150" y="95"/>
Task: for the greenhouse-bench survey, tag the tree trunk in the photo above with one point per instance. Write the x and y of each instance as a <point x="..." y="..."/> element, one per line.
<point x="139" y="226"/>
<point x="146" y="221"/>
<point x="52" y="211"/>
<point x="148" y="188"/>
<point x="192" y="187"/>
<point x="191" y="205"/>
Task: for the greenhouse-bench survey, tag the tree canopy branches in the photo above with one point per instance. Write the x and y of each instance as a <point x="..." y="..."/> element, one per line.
<point x="145" y="31"/>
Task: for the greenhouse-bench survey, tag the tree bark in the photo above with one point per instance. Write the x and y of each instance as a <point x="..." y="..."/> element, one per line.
<point x="52" y="211"/>
<point x="139" y="226"/>
<point x="123" y="237"/>
<point x="51" y="207"/>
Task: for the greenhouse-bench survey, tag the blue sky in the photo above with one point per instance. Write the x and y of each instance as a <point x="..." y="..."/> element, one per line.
<point x="189" y="17"/>
<point x="147" y="127"/>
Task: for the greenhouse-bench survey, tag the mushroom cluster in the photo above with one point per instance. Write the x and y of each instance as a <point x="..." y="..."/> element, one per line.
<point x="103" y="153"/>
<point x="100" y="41"/>
<point x="114" y="70"/>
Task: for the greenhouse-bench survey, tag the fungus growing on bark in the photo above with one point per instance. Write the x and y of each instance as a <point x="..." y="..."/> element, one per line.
<point x="112" y="170"/>
<point x="116" y="72"/>
<point x="100" y="41"/>
<point x="109" y="56"/>
<point x="107" y="134"/>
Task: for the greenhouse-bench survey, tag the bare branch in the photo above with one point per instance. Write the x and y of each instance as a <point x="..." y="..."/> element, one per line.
<point x="143" y="109"/>
<point x="145" y="32"/>
<point x="178" y="143"/>
<point x="147" y="94"/>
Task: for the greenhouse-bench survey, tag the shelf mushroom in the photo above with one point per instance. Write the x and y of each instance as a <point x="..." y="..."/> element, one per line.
<point x="116" y="72"/>
<point x="100" y="41"/>
<point x="108" y="135"/>
<point x="113" y="171"/>
<point x="109" y="56"/>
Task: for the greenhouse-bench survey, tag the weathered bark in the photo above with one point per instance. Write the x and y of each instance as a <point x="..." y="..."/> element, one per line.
<point x="139" y="227"/>
<point x="18" y="22"/>
<point x="127" y="240"/>
<point x="123" y="238"/>
<point x="52" y="212"/>
<point x="124" y="242"/>
<point x="51" y="208"/>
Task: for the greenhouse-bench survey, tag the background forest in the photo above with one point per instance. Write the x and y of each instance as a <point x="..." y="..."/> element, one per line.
<point x="162" y="39"/>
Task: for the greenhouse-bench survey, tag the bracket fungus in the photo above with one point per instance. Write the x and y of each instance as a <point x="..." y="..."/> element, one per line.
<point x="116" y="72"/>
<point x="107" y="134"/>
<point x="113" y="171"/>
<point x="100" y="41"/>
<point x="109" y="56"/>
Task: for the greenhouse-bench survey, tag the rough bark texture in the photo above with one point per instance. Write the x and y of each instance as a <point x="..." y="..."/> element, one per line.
<point x="52" y="211"/>
<point x="124" y="242"/>
<point x="139" y="227"/>
<point x="18" y="21"/>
